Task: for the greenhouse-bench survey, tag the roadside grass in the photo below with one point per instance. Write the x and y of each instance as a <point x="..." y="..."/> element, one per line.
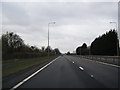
<point x="25" y="63"/>
<point x="11" y="60"/>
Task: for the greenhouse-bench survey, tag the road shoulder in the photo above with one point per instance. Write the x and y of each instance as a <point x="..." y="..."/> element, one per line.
<point x="10" y="80"/>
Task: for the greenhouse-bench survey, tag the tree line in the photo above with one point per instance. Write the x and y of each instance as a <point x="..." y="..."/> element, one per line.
<point x="13" y="47"/>
<point x="82" y="50"/>
<point x="106" y="44"/>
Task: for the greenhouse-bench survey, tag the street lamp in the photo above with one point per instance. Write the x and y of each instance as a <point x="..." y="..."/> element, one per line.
<point x="117" y="39"/>
<point x="48" y="35"/>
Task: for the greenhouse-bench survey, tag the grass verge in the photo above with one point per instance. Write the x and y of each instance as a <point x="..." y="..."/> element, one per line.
<point x="18" y="65"/>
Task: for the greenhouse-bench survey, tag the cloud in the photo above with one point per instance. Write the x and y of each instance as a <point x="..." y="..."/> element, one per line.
<point x="76" y="22"/>
<point x="14" y="13"/>
<point x="0" y="19"/>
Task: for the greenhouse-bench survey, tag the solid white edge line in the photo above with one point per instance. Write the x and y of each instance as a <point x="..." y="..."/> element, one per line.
<point x="108" y="64"/>
<point x="23" y="81"/>
<point x="103" y="63"/>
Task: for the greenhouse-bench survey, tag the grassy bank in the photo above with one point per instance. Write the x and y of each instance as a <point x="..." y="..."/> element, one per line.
<point x="13" y="66"/>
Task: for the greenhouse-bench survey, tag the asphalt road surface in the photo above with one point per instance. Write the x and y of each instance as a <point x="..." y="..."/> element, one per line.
<point x="73" y="72"/>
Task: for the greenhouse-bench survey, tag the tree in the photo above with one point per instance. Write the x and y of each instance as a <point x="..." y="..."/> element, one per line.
<point x="51" y="51"/>
<point x="11" y="43"/>
<point x="43" y="48"/>
<point x="35" y="49"/>
<point x="84" y="46"/>
<point x="68" y="53"/>
<point x="13" y="47"/>
<point x="105" y="44"/>
<point x="78" y="51"/>
<point x="82" y="50"/>
<point x="57" y="51"/>
<point x="48" y="48"/>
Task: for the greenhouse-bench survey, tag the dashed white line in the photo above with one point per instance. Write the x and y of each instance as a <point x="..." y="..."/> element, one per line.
<point x="72" y="62"/>
<point x="20" y="83"/>
<point x="81" y="68"/>
<point x="91" y="76"/>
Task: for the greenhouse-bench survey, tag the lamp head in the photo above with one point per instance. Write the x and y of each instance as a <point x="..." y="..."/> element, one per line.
<point x="51" y="22"/>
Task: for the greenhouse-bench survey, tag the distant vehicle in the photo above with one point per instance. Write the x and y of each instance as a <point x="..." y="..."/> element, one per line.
<point x="63" y="54"/>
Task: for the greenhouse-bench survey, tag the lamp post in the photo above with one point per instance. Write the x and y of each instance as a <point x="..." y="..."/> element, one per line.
<point x="48" y="36"/>
<point x="117" y="39"/>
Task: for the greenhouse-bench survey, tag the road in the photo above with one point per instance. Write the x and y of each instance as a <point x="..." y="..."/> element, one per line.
<point x="73" y="72"/>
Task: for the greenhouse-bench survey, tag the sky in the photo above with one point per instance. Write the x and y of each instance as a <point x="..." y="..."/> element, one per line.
<point x="76" y="22"/>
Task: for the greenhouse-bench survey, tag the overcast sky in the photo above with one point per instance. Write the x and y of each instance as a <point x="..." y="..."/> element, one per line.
<point x="76" y="22"/>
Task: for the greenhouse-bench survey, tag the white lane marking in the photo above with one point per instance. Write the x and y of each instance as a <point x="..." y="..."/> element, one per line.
<point x="72" y="62"/>
<point x="20" y="83"/>
<point x="81" y="68"/>
<point x="108" y="64"/>
<point x="91" y="76"/>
